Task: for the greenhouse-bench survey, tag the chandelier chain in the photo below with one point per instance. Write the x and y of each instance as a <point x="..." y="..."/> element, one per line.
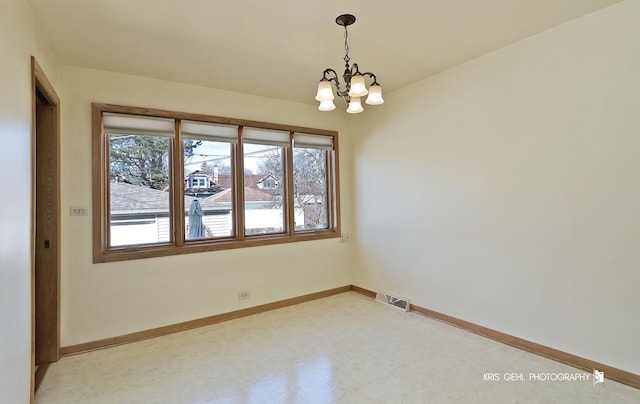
<point x="346" y="47"/>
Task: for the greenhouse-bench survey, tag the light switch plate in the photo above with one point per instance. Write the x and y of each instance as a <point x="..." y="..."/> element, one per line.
<point x="78" y="211"/>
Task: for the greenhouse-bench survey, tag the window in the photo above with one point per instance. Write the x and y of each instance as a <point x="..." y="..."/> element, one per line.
<point x="207" y="147"/>
<point x="263" y="156"/>
<point x="310" y="186"/>
<point x="238" y="183"/>
<point x="138" y="171"/>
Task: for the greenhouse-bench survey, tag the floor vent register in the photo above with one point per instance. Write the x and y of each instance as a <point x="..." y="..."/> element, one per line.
<point x="396" y="302"/>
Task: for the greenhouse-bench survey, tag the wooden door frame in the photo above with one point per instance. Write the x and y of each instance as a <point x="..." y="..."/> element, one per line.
<point x="41" y="88"/>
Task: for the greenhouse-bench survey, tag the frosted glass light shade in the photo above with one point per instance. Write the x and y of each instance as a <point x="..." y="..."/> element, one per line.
<point x="358" y="88"/>
<point x="327" y="105"/>
<point x="325" y="93"/>
<point x="355" y="107"/>
<point x="375" y="95"/>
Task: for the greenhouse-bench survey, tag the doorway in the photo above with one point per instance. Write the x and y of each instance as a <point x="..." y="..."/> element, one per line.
<point x="45" y="190"/>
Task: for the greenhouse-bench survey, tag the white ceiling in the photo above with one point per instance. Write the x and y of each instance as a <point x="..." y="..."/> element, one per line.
<point x="279" y="48"/>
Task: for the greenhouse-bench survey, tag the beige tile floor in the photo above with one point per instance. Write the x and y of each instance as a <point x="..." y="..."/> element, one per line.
<point x="341" y="349"/>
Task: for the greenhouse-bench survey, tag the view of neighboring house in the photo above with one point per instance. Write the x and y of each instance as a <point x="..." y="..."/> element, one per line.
<point x="200" y="184"/>
<point x="141" y="215"/>
<point x="263" y="207"/>
<point x="262" y="213"/>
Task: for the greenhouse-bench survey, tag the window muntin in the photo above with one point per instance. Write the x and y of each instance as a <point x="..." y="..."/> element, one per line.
<point x="237" y="147"/>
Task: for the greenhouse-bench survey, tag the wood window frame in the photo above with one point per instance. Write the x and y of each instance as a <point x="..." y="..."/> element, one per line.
<point x="102" y="252"/>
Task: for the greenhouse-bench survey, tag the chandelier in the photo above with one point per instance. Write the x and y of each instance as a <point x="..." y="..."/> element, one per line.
<point x="355" y="86"/>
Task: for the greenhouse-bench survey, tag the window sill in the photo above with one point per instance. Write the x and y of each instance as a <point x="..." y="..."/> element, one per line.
<point x="190" y="247"/>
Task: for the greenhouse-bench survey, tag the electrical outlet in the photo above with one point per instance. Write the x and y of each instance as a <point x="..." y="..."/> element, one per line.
<point x="345" y="238"/>
<point x="243" y="295"/>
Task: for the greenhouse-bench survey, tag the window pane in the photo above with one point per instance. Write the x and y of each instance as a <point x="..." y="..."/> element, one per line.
<point x="139" y="189"/>
<point x="310" y="188"/>
<point x="208" y="190"/>
<point x="263" y="189"/>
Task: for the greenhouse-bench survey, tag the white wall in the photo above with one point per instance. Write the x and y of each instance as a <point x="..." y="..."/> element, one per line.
<point x="105" y="300"/>
<point x="506" y="191"/>
<point x="19" y="39"/>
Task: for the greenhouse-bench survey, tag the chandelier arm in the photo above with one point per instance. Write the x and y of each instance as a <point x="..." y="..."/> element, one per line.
<point x="373" y="77"/>
<point x="335" y="80"/>
<point x="328" y="71"/>
<point x="344" y="95"/>
<point x="336" y="84"/>
<point x="327" y="75"/>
